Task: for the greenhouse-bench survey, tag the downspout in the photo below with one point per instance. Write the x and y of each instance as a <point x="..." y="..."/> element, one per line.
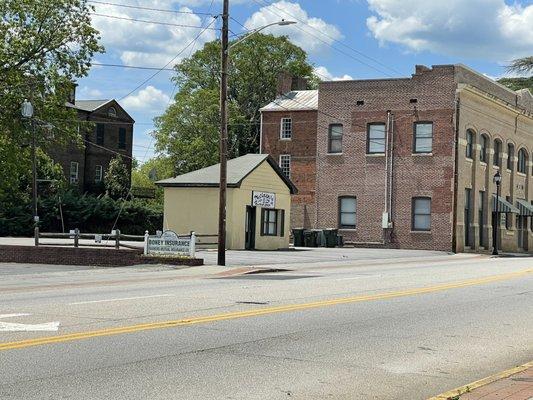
<point x="261" y="133"/>
<point x="456" y="171"/>
<point x="386" y="198"/>
<point x="391" y="175"/>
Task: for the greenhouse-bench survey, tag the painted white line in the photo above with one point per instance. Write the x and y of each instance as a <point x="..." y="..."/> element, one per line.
<point x="15" y="327"/>
<point x="13" y="315"/>
<point x="120" y="299"/>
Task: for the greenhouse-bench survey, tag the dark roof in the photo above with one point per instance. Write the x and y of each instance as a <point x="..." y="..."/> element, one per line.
<point x="238" y="169"/>
<point x="94" y="105"/>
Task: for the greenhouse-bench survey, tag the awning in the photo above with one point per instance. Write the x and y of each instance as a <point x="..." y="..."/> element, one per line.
<point x="504" y="206"/>
<point x="525" y="208"/>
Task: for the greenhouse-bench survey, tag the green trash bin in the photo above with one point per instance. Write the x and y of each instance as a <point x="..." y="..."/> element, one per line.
<point x="310" y="238"/>
<point x="331" y="237"/>
<point x="298" y="236"/>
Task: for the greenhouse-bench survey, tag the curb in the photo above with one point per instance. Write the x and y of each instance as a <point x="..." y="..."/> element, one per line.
<point x="454" y="394"/>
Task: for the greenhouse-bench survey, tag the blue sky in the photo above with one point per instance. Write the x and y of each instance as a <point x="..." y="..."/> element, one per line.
<point x="345" y="39"/>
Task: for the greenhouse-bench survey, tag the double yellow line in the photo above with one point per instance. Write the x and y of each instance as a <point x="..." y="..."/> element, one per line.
<point x="256" y="312"/>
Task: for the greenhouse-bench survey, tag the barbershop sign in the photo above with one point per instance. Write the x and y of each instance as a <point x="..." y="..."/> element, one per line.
<point x="170" y="243"/>
<point x="263" y="199"/>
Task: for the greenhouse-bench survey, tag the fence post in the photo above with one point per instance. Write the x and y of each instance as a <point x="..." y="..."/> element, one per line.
<point x="117" y="239"/>
<point x="76" y="237"/>
<point x="36" y="236"/>
<point x="192" y="245"/>
<point x="146" y="242"/>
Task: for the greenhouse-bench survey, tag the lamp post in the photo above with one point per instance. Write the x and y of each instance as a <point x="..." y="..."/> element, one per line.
<point x="27" y="112"/>
<point x="497" y="180"/>
<point x="223" y="144"/>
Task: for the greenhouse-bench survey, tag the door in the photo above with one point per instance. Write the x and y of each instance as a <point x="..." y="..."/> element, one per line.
<point x="521" y="226"/>
<point x="250" y="228"/>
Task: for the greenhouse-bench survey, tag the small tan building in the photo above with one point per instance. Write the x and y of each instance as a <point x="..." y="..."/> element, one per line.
<point x="257" y="209"/>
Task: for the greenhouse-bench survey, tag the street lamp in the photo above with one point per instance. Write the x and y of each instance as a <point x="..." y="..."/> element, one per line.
<point x="27" y="112"/>
<point x="497" y="180"/>
<point x="223" y="144"/>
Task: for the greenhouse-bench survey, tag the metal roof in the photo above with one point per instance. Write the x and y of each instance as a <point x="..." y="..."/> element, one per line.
<point x="294" y="101"/>
<point x="238" y="169"/>
<point x="90" y="105"/>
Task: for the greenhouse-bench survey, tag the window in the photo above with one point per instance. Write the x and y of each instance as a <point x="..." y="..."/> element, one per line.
<point x="286" y="128"/>
<point x="508" y="216"/>
<point x="423" y="142"/>
<point x="98" y="174"/>
<point x="483" y="150"/>
<point x="335" y="138"/>
<point x="510" y="156"/>
<point x="347" y="212"/>
<point x="522" y="161"/>
<point x="74" y="167"/>
<point x="375" y="142"/>
<point x="468" y="216"/>
<point x="497" y="153"/>
<point x="469" y="144"/>
<point x="121" y="138"/>
<point x="272" y="222"/>
<point x="481" y="218"/>
<point x="112" y="112"/>
<point x="421" y="214"/>
<point x="285" y="164"/>
<point x="100" y="129"/>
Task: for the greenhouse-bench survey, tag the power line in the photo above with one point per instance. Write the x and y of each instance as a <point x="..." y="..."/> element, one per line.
<point x="131" y="66"/>
<point x="149" y="8"/>
<point x="149" y="21"/>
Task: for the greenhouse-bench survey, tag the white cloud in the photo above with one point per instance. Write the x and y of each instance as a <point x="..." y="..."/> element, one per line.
<point x="311" y="37"/>
<point x="85" y="92"/>
<point x="325" y="75"/>
<point x="139" y="43"/>
<point x="487" y="29"/>
<point x="149" y="99"/>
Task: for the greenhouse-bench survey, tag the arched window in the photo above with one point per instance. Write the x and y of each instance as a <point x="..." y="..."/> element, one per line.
<point x="497" y="153"/>
<point x="510" y="156"/>
<point x="522" y="161"/>
<point x="469" y="144"/>
<point x="484" y="142"/>
<point x="112" y="112"/>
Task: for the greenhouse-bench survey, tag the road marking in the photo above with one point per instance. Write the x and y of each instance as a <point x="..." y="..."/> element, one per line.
<point x="120" y="299"/>
<point x="17" y="327"/>
<point x="482" y="382"/>
<point x="257" y="312"/>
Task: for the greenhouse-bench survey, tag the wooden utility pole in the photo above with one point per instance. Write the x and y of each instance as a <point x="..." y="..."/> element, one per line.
<point x="223" y="136"/>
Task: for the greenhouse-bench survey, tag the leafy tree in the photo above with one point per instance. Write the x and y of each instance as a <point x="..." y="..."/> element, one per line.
<point x="117" y="179"/>
<point x="518" y="83"/>
<point x="153" y="170"/>
<point x="522" y="65"/>
<point x="188" y="130"/>
<point x="45" y="46"/>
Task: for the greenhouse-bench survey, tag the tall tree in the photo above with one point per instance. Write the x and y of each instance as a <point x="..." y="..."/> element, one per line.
<point x="46" y="44"/>
<point x="522" y="65"/>
<point x="117" y="179"/>
<point x="188" y="130"/>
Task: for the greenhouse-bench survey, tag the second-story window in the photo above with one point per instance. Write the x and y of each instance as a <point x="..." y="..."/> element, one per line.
<point x="375" y="142"/>
<point x="469" y="144"/>
<point x="522" y="161"/>
<point x="99" y="173"/>
<point x="497" y="153"/>
<point x="285" y="164"/>
<point x="100" y="130"/>
<point x="510" y="156"/>
<point x="286" y="128"/>
<point x="74" y="171"/>
<point x="423" y="137"/>
<point x="483" y="150"/>
<point x="335" y="138"/>
<point x="121" y="138"/>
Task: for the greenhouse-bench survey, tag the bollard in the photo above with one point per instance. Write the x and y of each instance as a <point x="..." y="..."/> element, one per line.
<point x="192" y="245"/>
<point x="146" y="242"/>
<point x="76" y="237"/>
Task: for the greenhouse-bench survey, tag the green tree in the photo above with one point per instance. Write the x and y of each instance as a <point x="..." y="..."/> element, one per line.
<point x="117" y="179"/>
<point x="153" y="170"/>
<point x="518" y="83"/>
<point x="188" y="130"/>
<point x="46" y="45"/>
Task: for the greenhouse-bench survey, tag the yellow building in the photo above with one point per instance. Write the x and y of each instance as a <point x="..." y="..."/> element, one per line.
<point x="257" y="209"/>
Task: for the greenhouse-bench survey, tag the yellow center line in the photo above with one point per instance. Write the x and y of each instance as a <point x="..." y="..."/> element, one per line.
<point x="257" y="312"/>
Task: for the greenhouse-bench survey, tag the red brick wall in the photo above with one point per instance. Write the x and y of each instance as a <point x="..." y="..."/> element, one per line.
<point x="302" y="148"/>
<point x="358" y="174"/>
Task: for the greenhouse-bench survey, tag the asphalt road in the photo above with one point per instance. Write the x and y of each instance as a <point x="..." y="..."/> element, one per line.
<point x="387" y="329"/>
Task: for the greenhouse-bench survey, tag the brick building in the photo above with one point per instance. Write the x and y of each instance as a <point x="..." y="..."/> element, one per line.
<point x="107" y="130"/>
<point x="410" y="162"/>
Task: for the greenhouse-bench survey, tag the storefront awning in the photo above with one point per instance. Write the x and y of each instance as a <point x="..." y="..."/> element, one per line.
<point x="525" y="208"/>
<point x="504" y="206"/>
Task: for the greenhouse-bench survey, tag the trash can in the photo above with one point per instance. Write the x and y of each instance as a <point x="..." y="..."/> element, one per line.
<point x="340" y="241"/>
<point x="310" y="238"/>
<point x="298" y="236"/>
<point x="330" y="236"/>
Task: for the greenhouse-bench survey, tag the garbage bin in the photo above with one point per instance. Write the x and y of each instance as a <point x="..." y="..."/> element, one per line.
<point x="330" y="236"/>
<point x="298" y="236"/>
<point x="310" y="238"/>
<point x="340" y="241"/>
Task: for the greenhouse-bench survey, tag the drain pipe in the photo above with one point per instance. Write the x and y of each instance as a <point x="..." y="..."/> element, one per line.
<point x="391" y="176"/>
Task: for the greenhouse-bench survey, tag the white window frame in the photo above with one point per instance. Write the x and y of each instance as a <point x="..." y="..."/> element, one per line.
<point x="286" y="169"/>
<point x="74" y="172"/>
<point x="342" y="211"/>
<point x="285" y="129"/>
<point x="98" y="174"/>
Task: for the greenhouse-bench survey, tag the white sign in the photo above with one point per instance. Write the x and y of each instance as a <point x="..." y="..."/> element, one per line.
<point x="169" y="243"/>
<point x="263" y="199"/>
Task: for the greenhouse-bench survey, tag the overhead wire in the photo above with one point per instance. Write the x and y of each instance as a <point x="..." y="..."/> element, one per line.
<point x="149" y="8"/>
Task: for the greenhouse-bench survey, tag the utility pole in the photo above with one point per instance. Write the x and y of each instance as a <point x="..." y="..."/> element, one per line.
<point x="34" y="173"/>
<point x="223" y="148"/>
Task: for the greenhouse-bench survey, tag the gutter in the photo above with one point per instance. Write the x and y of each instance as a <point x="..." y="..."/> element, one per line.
<point x="456" y="171"/>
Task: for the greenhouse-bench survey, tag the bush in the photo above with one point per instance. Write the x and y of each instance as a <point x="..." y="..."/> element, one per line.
<point x="89" y="213"/>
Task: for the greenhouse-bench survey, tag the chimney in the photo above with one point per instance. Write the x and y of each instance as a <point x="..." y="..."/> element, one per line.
<point x="284" y="83"/>
<point x="72" y="93"/>
<point x="299" y="83"/>
<point x="419" y="69"/>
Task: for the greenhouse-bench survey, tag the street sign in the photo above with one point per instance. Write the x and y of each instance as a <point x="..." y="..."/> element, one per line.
<point x="263" y="199"/>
